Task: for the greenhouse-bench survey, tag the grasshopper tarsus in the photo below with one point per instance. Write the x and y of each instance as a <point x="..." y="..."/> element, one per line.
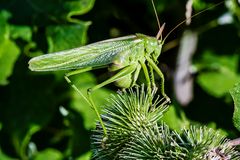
<point x="103" y="143"/>
<point x="167" y="99"/>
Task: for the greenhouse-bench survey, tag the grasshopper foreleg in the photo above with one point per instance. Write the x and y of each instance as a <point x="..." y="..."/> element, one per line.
<point x="159" y="72"/>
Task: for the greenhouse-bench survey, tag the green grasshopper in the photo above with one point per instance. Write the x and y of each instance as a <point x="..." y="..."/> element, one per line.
<point x="125" y="55"/>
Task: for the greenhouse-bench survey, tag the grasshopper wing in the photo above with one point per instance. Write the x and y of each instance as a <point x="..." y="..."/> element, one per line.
<point x="97" y="54"/>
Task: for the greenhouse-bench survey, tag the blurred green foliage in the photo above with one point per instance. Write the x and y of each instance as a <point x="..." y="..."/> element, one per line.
<point x="42" y="117"/>
<point x="221" y="74"/>
<point x="235" y="93"/>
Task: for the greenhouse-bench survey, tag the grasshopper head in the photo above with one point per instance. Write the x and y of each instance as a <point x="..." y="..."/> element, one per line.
<point x="157" y="50"/>
<point x="153" y="47"/>
<point x="160" y="42"/>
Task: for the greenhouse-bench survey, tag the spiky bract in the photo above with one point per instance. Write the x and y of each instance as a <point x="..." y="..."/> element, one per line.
<point x="134" y="132"/>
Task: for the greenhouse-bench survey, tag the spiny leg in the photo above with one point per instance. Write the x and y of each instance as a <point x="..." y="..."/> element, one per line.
<point x="89" y="101"/>
<point x="136" y="74"/>
<point x="152" y="78"/>
<point x="125" y="71"/>
<point x="159" y="72"/>
<point x="149" y="87"/>
<point x="146" y="73"/>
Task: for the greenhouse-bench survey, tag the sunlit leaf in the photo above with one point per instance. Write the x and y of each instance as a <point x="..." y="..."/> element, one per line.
<point x="9" y="51"/>
<point x="86" y="156"/>
<point x="4" y="31"/>
<point x="23" y="32"/>
<point x="49" y="153"/>
<point x="175" y="118"/>
<point x="4" y="156"/>
<point x="21" y="143"/>
<point x="77" y="8"/>
<point x="62" y="10"/>
<point x="235" y="93"/>
<point x="66" y="36"/>
<point x="219" y="73"/>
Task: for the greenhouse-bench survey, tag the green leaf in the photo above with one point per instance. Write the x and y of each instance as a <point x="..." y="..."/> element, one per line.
<point x="23" y="32"/>
<point x="9" y="53"/>
<point x="4" y="31"/>
<point x="4" y="156"/>
<point x="235" y="93"/>
<point x="66" y="36"/>
<point x="21" y="146"/>
<point x="220" y="75"/>
<point x="217" y="84"/>
<point x="175" y="118"/>
<point x="64" y="9"/>
<point x="200" y="5"/>
<point x="79" y="7"/>
<point x="51" y="154"/>
<point x="22" y="116"/>
<point x="86" y="156"/>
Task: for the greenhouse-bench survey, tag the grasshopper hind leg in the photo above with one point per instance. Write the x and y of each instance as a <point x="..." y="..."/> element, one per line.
<point x="88" y="100"/>
<point x="123" y="72"/>
<point x="67" y="75"/>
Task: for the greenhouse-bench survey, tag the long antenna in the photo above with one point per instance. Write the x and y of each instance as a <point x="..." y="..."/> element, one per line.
<point x="159" y="26"/>
<point x="190" y="18"/>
